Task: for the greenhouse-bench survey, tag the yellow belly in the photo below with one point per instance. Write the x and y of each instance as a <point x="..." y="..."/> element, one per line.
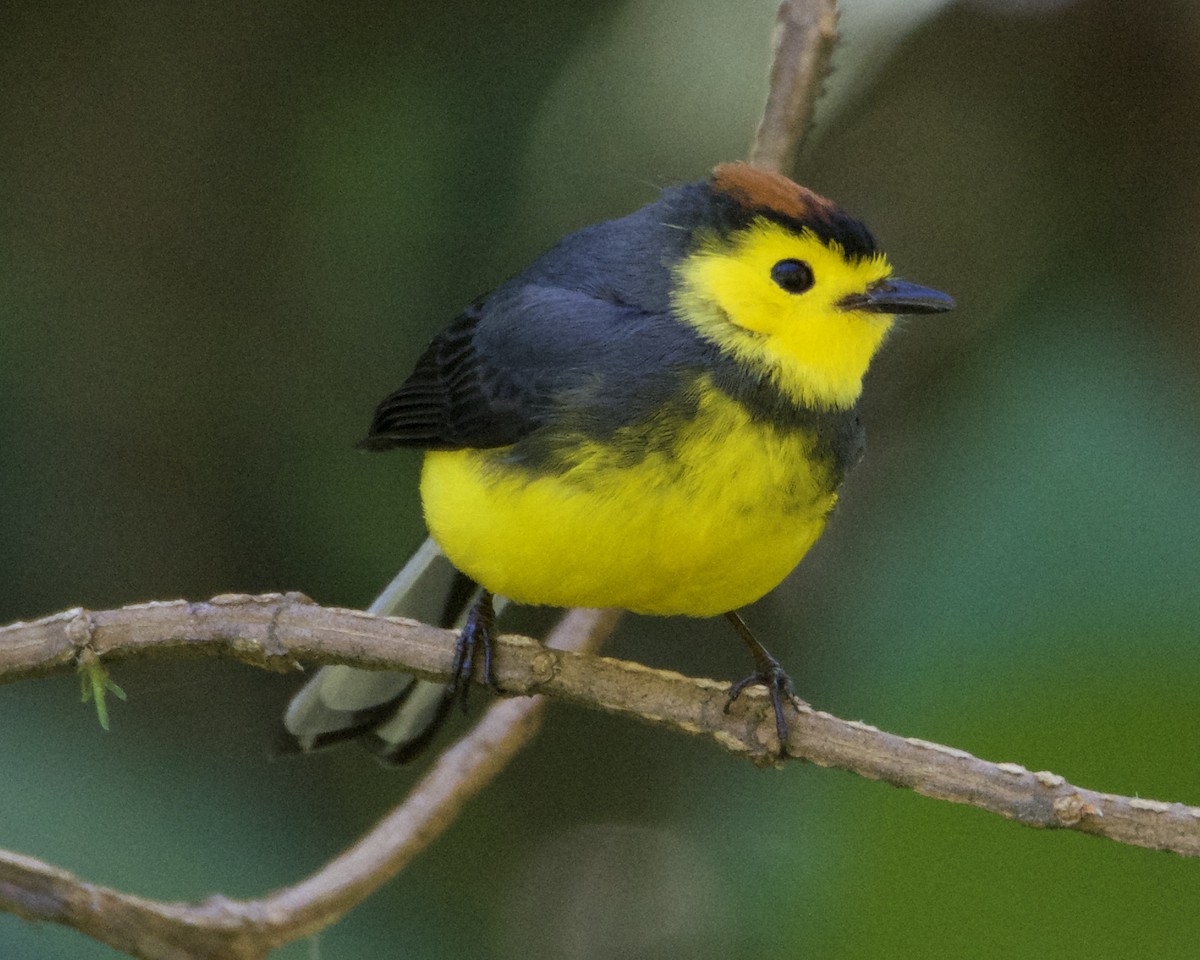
<point x="708" y="526"/>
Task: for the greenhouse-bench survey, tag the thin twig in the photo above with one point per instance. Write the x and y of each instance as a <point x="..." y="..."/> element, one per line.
<point x="805" y="35"/>
<point x="275" y="631"/>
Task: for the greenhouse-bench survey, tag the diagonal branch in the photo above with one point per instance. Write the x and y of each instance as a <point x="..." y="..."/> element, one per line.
<point x="276" y="631"/>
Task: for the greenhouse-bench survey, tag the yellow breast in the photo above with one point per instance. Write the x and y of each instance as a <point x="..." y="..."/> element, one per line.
<point x="708" y="524"/>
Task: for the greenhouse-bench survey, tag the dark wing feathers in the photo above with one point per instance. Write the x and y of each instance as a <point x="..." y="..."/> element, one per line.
<point x="507" y="364"/>
<point x="453" y="399"/>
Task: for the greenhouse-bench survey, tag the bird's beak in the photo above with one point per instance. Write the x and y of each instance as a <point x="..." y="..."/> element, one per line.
<point x="898" y="296"/>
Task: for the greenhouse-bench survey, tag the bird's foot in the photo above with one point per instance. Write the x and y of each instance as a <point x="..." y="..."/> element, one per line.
<point x="779" y="688"/>
<point x="475" y="638"/>
<point x="771" y="675"/>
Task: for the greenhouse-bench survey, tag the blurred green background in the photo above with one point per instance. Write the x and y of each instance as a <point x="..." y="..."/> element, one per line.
<point x="227" y="229"/>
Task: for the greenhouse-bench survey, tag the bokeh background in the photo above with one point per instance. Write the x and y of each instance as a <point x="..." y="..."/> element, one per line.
<point x="227" y="229"/>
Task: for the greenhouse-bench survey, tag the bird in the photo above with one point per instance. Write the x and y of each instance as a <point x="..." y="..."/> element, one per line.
<point x="656" y="414"/>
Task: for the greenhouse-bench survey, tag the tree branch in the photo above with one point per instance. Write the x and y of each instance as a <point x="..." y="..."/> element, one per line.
<point x="271" y="632"/>
<point x="277" y="631"/>
<point x="280" y="631"/>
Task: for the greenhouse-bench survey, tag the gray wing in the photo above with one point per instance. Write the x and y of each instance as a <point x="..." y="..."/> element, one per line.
<point x="504" y="367"/>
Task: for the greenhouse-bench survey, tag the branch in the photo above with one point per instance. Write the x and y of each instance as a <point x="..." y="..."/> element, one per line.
<point x="224" y="929"/>
<point x="276" y="631"/>
<point x="279" y="631"/>
<point x="805" y="34"/>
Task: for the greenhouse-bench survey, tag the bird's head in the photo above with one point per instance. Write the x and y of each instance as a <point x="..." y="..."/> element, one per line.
<point x="788" y="284"/>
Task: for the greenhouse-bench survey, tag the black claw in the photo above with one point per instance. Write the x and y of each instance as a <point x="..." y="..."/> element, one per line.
<point x="735" y="689"/>
<point x="770" y="674"/>
<point x="779" y="688"/>
<point x="489" y="672"/>
<point x="476" y="633"/>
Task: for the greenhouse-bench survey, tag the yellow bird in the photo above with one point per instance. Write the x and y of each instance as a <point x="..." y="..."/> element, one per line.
<point x="654" y="415"/>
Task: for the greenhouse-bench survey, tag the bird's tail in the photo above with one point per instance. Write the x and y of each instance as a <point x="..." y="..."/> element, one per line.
<point x="394" y="715"/>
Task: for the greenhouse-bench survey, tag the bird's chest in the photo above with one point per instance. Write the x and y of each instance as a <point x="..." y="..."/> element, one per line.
<point x="701" y="516"/>
<point x="737" y="471"/>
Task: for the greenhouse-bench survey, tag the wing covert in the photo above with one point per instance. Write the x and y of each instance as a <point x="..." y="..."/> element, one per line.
<point x="453" y="399"/>
<point x="509" y="364"/>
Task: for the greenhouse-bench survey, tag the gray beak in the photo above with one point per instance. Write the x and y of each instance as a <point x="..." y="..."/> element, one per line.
<point x="898" y="296"/>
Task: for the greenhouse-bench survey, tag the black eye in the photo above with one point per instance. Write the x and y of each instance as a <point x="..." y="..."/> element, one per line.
<point x="794" y="276"/>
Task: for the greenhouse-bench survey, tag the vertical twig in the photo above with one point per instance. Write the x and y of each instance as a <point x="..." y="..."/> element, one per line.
<point x="805" y="35"/>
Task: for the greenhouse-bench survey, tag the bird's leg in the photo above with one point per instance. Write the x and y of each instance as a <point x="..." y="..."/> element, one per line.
<point x="768" y="672"/>
<point x="476" y="633"/>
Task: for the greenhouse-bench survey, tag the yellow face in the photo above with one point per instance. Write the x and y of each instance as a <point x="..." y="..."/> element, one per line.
<point x="770" y="297"/>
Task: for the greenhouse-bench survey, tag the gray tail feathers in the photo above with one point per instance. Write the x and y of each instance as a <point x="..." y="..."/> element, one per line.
<point x="394" y="715"/>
